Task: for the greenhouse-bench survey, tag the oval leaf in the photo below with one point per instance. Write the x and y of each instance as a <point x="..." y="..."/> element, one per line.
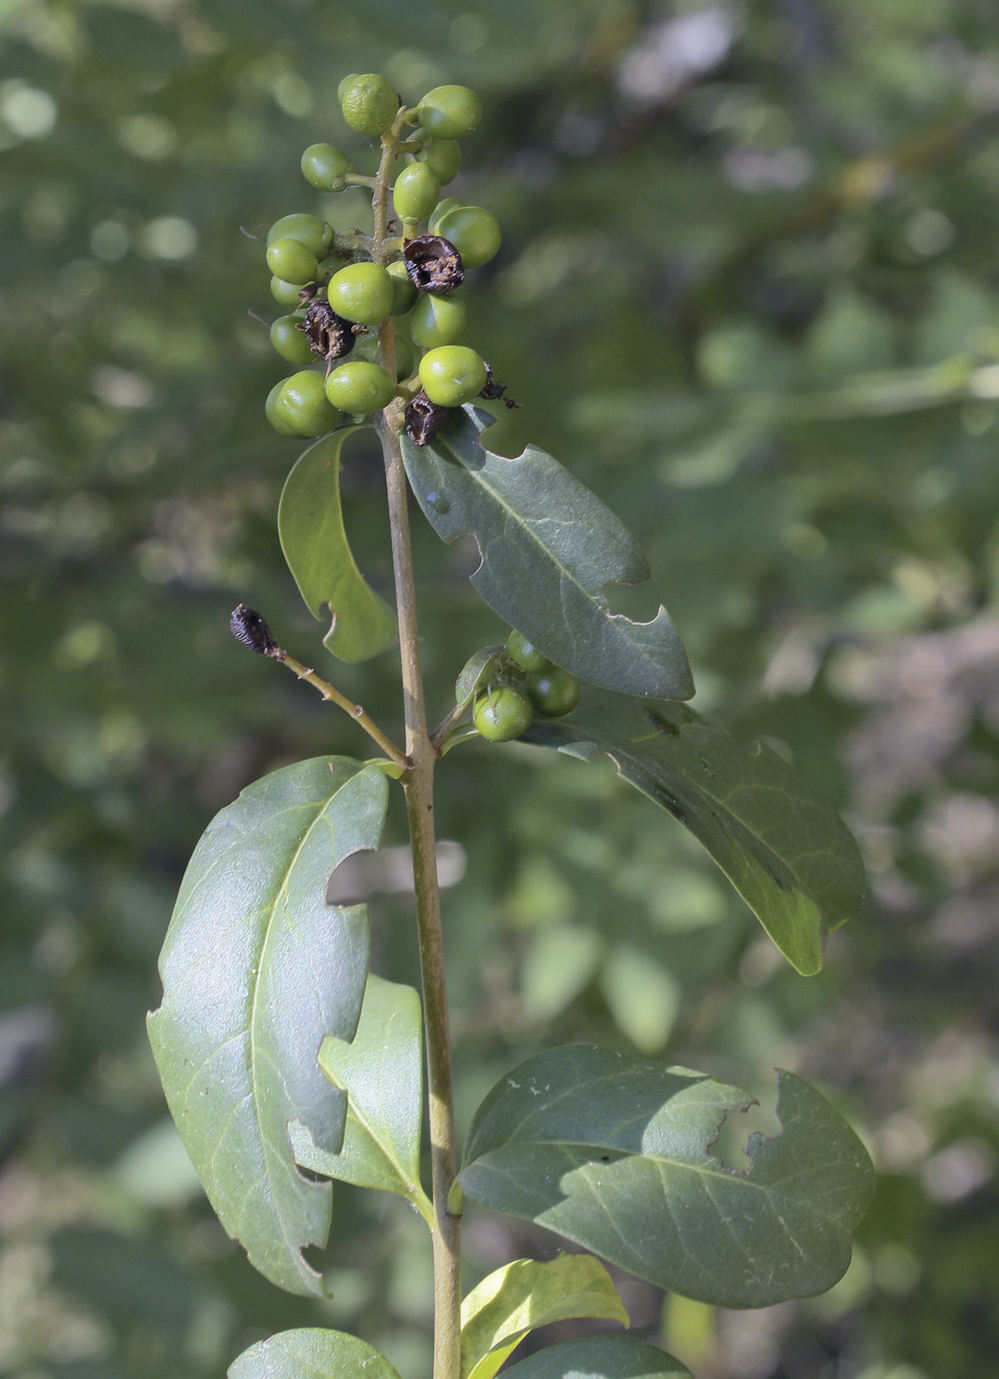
<point x="310" y="525"/>
<point x="256" y="970"/>
<point x="498" y="1314"/>
<point x="789" y="855"/>
<point x="614" y="1153"/>
<point x="549" y="549"/>
<point x="381" y="1070"/>
<point x="601" y="1357"/>
<point x="477" y="670"/>
<point x="311" y="1353"/>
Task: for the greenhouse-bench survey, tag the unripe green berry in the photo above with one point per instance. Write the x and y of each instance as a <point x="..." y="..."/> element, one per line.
<point x="502" y="714"/>
<point x="285" y="428"/>
<point x="452" y="375"/>
<point x="301" y="402"/>
<point x="438" y="320"/>
<point x="450" y="112"/>
<point x="444" y="156"/>
<point x="369" y="103"/>
<point x="405" y="356"/>
<point x="440" y="211"/>
<point x="416" y="191"/>
<point x="309" y="230"/>
<point x="404" y="293"/>
<point x="525" y="653"/>
<point x="284" y="293"/>
<point x="291" y="261"/>
<point x="290" y="342"/>
<point x="326" y="167"/>
<point x="553" y="692"/>
<point x="361" y="292"/>
<point x="473" y="231"/>
<point x="360" y="387"/>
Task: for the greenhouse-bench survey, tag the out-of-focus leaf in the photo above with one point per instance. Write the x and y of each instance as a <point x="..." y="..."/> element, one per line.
<point x="614" y="1154"/>
<point x="549" y="549"/>
<point x="381" y="1070"/>
<point x="310" y="525"/>
<point x="505" y="1306"/>
<point x="786" y="852"/>
<point x="256" y="970"/>
<point x="601" y="1357"/>
<point x="311" y="1353"/>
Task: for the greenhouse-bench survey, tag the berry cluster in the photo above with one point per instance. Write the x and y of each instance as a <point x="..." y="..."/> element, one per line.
<point x="341" y="287"/>
<point x="521" y="682"/>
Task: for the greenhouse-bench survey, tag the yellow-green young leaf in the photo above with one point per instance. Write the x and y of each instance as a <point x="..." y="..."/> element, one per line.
<point x="600" y="1357"/>
<point x="789" y="855"/>
<point x="311" y="1353"/>
<point x="381" y="1070"/>
<point x="498" y="1314"/>
<point x="310" y="525"/>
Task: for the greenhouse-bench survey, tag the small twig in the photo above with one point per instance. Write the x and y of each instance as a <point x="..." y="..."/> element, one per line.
<point x="446" y="724"/>
<point x="356" y="179"/>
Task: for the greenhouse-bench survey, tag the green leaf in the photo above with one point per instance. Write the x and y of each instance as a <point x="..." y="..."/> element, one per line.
<point x="614" y="1153"/>
<point x="381" y="1070"/>
<point x="477" y="670"/>
<point x="310" y="525"/>
<point x="256" y="970"/>
<point x="789" y="855"/>
<point x="498" y="1314"/>
<point x="549" y="549"/>
<point x="311" y="1353"/>
<point x="600" y="1357"/>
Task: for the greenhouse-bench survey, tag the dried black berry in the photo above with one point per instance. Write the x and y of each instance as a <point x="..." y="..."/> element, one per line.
<point x="424" y="419"/>
<point x="329" y="334"/>
<point x="433" y="264"/>
<point x="249" y="628"/>
<point x="495" y="389"/>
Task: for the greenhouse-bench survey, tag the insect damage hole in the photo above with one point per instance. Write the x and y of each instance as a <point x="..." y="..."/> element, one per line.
<point x="730" y="1144"/>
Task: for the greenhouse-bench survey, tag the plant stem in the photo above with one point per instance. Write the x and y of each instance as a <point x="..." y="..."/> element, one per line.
<point x="332" y="694"/>
<point x="418" y="784"/>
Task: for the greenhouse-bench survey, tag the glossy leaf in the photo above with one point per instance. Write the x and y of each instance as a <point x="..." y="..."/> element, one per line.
<point x="614" y="1153"/>
<point x="310" y="525"/>
<point x="311" y="1353"/>
<point x="549" y="549"/>
<point x="789" y="855"/>
<point x="498" y="1314"/>
<point x="256" y="970"/>
<point x="381" y="1070"/>
<point x="476" y="671"/>
<point x="600" y="1357"/>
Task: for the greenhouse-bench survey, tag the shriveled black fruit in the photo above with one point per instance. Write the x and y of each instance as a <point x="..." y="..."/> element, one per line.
<point x="424" y="419"/>
<point x="433" y="264"/>
<point x="249" y="628"/>
<point x="330" y="335"/>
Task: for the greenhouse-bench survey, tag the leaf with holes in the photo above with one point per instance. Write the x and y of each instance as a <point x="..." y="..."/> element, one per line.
<point x="789" y="855"/>
<point x="311" y="1353"/>
<point x="257" y="969"/>
<point x="600" y="1357"/>
<point x="519" y="1297"/>
<point x="614" y="1153"/>
<point x="381" y="1070"/>
<point x="310" y="525"/>
<point x="549" y="549"/>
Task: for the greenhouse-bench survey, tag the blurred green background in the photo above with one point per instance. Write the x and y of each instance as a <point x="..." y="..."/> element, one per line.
<point x="748" y="293"/>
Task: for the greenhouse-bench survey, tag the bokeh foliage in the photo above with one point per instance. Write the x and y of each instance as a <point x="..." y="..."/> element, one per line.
<point x="748" y="293"/>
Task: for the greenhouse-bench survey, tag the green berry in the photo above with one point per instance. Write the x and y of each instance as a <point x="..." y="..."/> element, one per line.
<point x="444" y="156"/>
<point x="369" y="103"/>
<point x="502" y="714"/>
<point x="291" y="261"/>
<point x="273" y="416"/>
<point x="309" y="230"/>
<point x="452" y="375"/>
<point x="326" y="167"/>
<point x="440" y="211"/>
<point x="404" y="293"/>
<point x="416" y="191"/>
<point x="301" y="402"/>
<point x="361" y="292"/>
<point x="473" y="231"/>
<point x="344" y="85"/>
<point x="438" y="320"/>
<point x="360" y="387"/>
<point x="405" y="356"/>
<point x="284" y="293"/>
<point x="525" y="653"/>
<point x="450" y="112"/>
<point x="553" y="692"/>
<point x="290" y="342"/>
